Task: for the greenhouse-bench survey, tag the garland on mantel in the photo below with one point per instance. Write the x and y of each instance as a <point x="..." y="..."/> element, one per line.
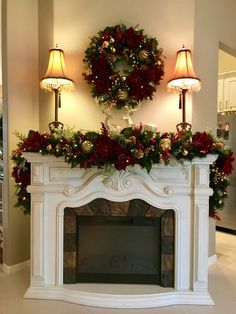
<point x="131" y="146"/>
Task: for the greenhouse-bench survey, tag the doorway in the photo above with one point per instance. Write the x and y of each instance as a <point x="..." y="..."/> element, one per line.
<point x="226" y="129"/>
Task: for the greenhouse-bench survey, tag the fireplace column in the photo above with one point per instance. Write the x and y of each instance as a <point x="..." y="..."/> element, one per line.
<point x="201" y="227"/>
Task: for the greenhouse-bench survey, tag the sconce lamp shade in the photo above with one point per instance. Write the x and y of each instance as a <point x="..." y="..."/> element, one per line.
<point x="183" y="81"/>
<point x="55" y="77"/>
<point x="184" y="74"/>
<point x="56" y="80"/>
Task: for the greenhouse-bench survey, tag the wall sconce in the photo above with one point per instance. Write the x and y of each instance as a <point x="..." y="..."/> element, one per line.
<point x="183" y="81"/>
<point x="56" y="80"/>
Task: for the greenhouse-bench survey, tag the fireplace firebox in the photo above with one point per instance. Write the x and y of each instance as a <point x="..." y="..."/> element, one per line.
<point x="119" y="242"/>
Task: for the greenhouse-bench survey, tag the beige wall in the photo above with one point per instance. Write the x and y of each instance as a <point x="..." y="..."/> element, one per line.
<point x="45" y="43"/>
<point x="200" y="25"/>
<point x="214" y="23"/>
<point x="171" y="22"/>
<point x="20" y="99"/>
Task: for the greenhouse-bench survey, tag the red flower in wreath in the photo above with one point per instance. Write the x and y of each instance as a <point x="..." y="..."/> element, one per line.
<point x="132" y="39"/>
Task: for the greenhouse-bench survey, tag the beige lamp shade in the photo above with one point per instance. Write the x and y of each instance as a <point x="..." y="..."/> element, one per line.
<point x="184" y="74"/>
<point x="55" y="77"/>
<point x="56" y="80"/>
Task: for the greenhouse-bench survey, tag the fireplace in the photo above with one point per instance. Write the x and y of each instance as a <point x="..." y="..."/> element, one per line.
<point x="56" y="187"/>
<point x="125" y="242"/>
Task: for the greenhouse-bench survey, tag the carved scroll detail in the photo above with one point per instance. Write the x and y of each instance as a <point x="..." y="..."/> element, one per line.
<point x="69" y="190"/>
<point x="118" y="181"/>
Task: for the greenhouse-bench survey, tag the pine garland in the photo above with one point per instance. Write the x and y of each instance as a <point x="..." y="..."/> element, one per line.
<point x="117" y="151"/>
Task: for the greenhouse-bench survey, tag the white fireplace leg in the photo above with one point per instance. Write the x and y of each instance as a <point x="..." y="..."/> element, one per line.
<point x="201" y="228"/>
<point x="37" y="238"/>
<point x="201" y="233"/>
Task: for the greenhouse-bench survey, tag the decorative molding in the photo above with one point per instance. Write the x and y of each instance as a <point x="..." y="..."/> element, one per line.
<point x="116" y="300"/>
<point x="15" y="268"/>
<point x="37" y="173"/>
<point x="118" y="181"/>
<point x="69" y="190"/>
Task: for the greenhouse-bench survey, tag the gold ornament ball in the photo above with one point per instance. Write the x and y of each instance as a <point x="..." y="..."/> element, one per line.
<point x="87" y="146"/>
<point x="185" y="152"/>
<point x="219" y="145"/>
<point x="132" y="139"/>
<point x="165" y="144"/>
<point x="139" y="154"/>
<point x="122" y="95"/>
<point x="143" y="54"/>
<point x="88" y="72"/>
<point x="105" y="44"/>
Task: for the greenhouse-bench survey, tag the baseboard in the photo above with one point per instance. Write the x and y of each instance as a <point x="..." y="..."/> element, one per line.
<point x="212" y="260"/>
<point x="15" y="268"/>
<point x="226" y="230"/>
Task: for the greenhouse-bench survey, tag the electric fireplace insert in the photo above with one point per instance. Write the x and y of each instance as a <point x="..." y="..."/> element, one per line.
<point x="119" y="242"/>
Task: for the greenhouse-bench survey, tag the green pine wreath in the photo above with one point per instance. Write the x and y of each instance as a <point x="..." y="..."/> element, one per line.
<point x="123" y="66"/>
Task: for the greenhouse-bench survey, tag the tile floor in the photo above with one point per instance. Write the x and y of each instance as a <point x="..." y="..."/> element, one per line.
<point x="222" y="287"/>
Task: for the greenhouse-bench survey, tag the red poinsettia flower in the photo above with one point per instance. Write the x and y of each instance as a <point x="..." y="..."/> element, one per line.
<point x="226" y="164"/>
<point x="165" y="135"/>
<point x="102" y="86"/>
<point x="106" y="36"/>
<point x="105" y="147"/>
<point x="148" y="46"/>
<point x="100" y="68"/>
<point x="166" y="155"/>
<point x="100" y="75"/>
<point x="21" y="176"/>
<point x="118" y="33"/>
<point x="123" y="161"/>
<point x="34" y="142"/>
<point x="203" y="142"/>
<point x="132" y="39"/>
<point x="154" y="74"/>
<point x="138" y="84"/>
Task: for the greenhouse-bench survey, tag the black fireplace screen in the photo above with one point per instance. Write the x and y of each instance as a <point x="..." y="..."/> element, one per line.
<point x="118" y="249"/>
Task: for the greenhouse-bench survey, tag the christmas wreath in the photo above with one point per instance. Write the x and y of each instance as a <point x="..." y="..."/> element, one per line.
<point x="116" y="152"/>
<point x="123" y="66"/>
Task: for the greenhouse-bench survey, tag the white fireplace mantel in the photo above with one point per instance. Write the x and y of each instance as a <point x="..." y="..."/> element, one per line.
<point x="183" y="188"/>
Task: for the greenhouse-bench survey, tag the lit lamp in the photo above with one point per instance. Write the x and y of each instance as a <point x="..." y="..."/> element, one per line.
<point x="56" y="80"/>
<point x="184" y="80"/>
